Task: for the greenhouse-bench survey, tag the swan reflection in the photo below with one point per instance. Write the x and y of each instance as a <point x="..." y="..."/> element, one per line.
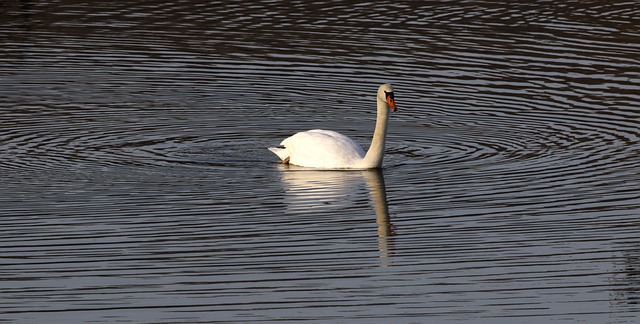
<point x="308" y="189"/>
<point x="378" y="192"/>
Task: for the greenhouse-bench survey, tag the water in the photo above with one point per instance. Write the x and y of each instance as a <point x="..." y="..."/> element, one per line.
<point x="136" y="184"/>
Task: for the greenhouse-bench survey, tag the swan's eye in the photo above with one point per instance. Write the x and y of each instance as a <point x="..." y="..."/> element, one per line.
<point x="390" y="100"/>
<point x="389" y="96"/>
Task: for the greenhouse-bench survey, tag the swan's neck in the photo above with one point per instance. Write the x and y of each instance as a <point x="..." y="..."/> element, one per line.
<point x="373" y="158"/>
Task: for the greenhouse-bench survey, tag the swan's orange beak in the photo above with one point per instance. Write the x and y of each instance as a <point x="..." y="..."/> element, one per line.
<point x="391" y="102"/>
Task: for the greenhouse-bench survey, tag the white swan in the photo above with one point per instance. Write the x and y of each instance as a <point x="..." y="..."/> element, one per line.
<point x="326" y="149"/>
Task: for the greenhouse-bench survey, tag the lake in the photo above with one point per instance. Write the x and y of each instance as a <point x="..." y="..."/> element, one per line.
<point x="137" y="185"/>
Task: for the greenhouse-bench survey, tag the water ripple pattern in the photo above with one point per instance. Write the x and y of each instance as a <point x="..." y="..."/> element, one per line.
<point x="136" y="186"/>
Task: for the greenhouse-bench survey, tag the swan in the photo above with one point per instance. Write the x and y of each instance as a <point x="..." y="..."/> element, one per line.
<point x="327" y="149"/>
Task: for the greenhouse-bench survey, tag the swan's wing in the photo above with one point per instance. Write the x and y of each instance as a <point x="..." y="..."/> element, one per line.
<point x="322" y="149"/>
<point x="282" y="153"/>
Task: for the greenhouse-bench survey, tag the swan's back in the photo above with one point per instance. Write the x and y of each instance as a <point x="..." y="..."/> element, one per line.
<point x="320" y="148"/>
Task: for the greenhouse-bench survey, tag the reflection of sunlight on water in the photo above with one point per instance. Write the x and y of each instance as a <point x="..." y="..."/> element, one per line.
<point x="307" y="189"/>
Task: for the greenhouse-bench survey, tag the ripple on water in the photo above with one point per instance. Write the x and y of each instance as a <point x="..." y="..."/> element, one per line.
<point x="136" y="184"/>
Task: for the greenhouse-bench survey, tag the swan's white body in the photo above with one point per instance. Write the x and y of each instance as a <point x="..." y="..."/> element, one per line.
<point x="327" y="149"/>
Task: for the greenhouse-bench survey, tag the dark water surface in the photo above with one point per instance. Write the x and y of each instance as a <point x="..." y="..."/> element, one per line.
<point x="136" y="185"/>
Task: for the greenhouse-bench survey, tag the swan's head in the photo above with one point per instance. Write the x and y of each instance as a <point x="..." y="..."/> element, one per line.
<point x="385" y="94"/>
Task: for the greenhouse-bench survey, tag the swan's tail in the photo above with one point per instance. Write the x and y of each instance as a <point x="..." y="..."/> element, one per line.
<point x="283" y="154"/>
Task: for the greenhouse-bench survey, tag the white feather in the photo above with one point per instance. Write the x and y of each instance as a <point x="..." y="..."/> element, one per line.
<point x="327" y="149"/>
